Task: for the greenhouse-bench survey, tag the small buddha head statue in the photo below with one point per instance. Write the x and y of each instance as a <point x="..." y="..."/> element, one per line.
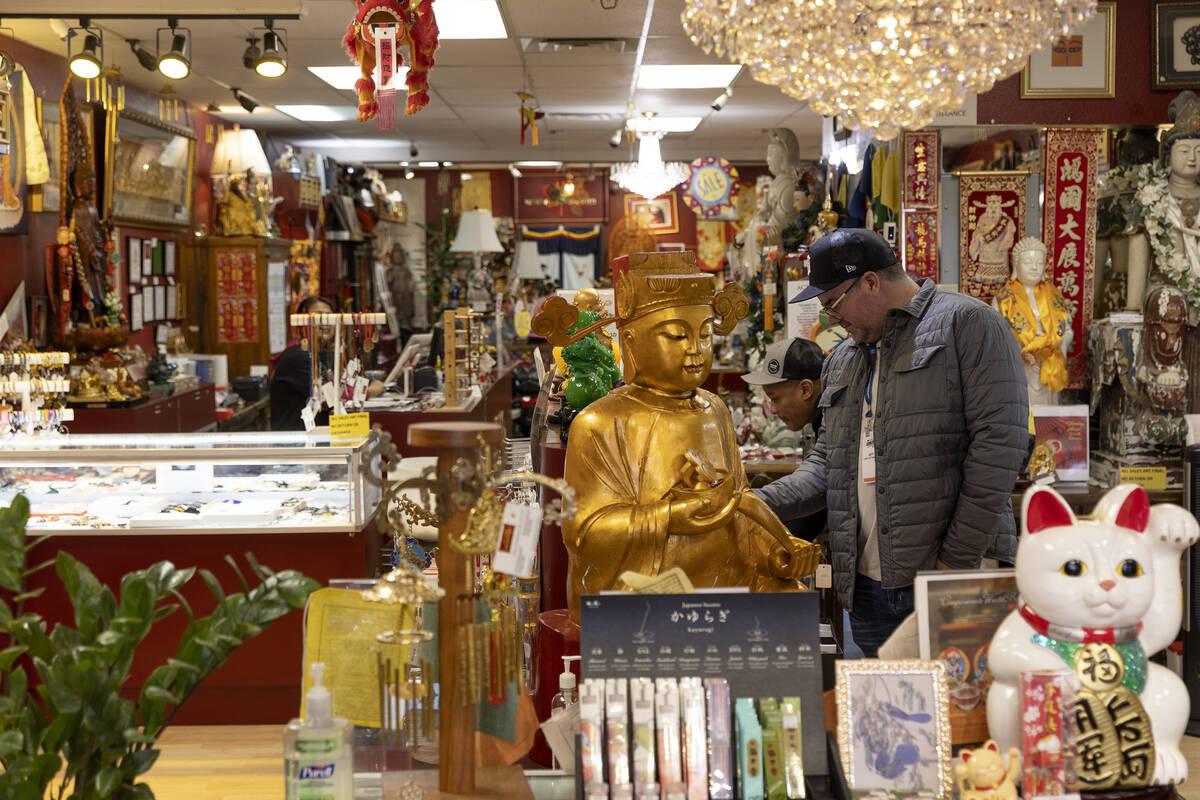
<point x="1029" y="261"/>
<point x="1184" y="113"/>
<point x="1166" y="321"/>
<point x="83" y="181"/>
<point x="667" y="313"/>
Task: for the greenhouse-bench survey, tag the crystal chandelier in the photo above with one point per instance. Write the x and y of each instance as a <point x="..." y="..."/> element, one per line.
<point x="881" y="66"/>
<point x="649" y="176"/>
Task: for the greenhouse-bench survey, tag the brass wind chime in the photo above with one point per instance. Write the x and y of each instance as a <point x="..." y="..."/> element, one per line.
<point x="490" y="653"/>
<point x="108" y="89"/>
<point x="168" y="104"/>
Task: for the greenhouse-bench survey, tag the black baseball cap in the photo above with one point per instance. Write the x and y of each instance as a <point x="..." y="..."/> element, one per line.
<point x="788" y="360"/>
<point x="844" y="253"/>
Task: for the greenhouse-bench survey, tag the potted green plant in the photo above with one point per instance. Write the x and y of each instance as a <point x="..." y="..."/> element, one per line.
<point x="67" y="724"/>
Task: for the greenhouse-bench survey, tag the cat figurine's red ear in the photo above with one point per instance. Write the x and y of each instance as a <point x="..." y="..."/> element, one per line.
<point x="1135" y="511"/>
<point x="1045" y="508"/>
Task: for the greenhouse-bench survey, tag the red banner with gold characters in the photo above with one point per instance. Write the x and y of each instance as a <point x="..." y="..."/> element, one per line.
<point x="237" y="293"/>
<point x="922" y="161"/>
<point x="991" y="219"/>
<point x="1071" y="158"/>
<point x="921" y="243"/>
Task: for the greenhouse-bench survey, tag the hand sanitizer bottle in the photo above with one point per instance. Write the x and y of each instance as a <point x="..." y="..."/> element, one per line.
<point x="318" y="750"/>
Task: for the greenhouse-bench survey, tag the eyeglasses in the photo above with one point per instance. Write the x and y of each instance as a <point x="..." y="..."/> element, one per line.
<point x="832" y="307"/>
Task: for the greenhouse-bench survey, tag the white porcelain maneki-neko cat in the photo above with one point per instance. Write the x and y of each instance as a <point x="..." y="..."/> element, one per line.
<point x="1097" y="597"/>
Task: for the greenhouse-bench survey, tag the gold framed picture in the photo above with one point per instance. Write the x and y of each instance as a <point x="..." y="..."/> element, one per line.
<point x="660" y="215"/>
<point x="893" y="727"/>
<point x="1078" y="65"/>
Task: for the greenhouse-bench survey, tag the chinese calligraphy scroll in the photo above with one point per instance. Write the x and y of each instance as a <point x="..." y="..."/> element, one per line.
<point x="991" y="208"/>
<point x="1071" y="157"/>
<point x="922" y="156"/>
<point x="237" y="293"/>
<point x="921" y="243"/>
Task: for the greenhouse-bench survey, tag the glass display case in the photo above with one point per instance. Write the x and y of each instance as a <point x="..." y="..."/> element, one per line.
<point x="194" y="483"/>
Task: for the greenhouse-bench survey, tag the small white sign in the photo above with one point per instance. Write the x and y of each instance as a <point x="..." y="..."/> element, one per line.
<point x="520" y="529"/>
<point x="184" y="477"/>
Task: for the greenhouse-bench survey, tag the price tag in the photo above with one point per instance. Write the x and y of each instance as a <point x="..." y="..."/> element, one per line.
<point x="360" y="390"/>
<point x="769" y="287"/>
<point x="520" y="529"/>
<point x="349" y="426"/>
<point x="351" y="369"/>
<point x="329" y="394"/>
<point x="308" y="417"/>
<point x="824" y="576"/>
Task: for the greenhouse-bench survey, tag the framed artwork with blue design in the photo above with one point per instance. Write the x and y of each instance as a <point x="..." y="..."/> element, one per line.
<point x="893" y="728"/>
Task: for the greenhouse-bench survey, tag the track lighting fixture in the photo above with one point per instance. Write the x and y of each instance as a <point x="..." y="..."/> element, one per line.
<point x="722" y="99"/>
<point x="87" y="62"/>
<point x="250" y="57"/>
<point x="615" y="139"/>
<point x="175" y="63"/>
<point x="246" y="102"/>
<point x="144" y="56"/>
<point x="409" y="174"/>
<point x="272" y="62"/>
<point x="512" y="169"/>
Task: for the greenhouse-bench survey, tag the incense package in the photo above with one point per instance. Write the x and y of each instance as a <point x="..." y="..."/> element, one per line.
<point x="774" y="781"/>
<point x="641" y="698"/>
<point x="720" y="739"/>
<point x="616" y="720"/>
<point x="666" y="720"/>
<point x="749" y="746"/>
<point x="695" y="746"/>
<point x="591" y="728"/>
<point x="793" y="760"/>
<point x="1047" y="738"/>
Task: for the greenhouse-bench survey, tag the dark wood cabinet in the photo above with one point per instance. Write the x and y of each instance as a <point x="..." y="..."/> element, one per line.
<point x="184" y="412"/>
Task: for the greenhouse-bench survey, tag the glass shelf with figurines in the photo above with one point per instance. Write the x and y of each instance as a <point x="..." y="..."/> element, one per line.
<point x="195" y="483"/>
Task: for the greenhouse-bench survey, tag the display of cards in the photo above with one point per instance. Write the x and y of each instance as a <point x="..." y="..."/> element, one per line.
<point x="133" y="255"/>
<point x="169" y="257"/>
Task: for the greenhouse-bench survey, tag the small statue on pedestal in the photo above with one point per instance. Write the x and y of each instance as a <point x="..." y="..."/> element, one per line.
<point x="1039" y="318"/>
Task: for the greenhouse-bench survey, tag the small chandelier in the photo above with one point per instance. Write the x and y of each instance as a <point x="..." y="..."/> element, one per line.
<point x="649" y="176"/>
<point x="880" y="66"/>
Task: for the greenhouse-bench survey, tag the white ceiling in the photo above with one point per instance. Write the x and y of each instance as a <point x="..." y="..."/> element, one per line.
<point x="472" y="116"/>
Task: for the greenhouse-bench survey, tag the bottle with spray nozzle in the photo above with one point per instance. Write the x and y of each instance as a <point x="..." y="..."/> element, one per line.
<point x="318" y="749"/>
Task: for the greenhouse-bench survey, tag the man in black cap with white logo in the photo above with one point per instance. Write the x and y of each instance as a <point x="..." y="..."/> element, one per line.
<point x="925" y="428"/>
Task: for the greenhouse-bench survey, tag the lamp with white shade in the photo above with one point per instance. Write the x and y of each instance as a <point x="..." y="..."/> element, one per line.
<point x="477" y="235"/>
<point x="239" y="153"/>
<point x="528" y="267"/>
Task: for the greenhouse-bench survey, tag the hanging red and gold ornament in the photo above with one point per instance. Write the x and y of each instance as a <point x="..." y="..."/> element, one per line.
<point x="529" y="117"/>
<point x="374" y="40"/>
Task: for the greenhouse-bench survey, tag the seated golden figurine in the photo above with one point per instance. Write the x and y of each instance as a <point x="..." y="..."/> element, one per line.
<point x="655" y="465"/>
<point x="87" y="386"/>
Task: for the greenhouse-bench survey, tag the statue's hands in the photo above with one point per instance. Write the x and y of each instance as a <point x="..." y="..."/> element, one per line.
<point x="693" y="514"/>
<point x="800" y="563"/>
<point x="1172" y="527"/>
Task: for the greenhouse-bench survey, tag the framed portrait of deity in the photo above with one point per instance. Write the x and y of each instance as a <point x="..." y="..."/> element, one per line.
<point x="1080" y="64"/>
<point x="659" y="215"/>
<point x="991" y="208"/>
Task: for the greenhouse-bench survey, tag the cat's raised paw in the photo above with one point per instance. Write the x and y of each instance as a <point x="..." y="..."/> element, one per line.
<point x="1173" y="526"/>
<point x="1169" y="766"/>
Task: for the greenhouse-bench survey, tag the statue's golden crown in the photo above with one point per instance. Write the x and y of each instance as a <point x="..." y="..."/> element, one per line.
<point x="656" y="281"/>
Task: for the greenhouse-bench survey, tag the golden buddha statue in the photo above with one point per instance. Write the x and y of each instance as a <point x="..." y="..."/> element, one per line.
<point x="655" y="465"/>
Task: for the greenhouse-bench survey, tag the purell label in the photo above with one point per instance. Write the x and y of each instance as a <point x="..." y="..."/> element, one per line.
<point x="317" y="772"/>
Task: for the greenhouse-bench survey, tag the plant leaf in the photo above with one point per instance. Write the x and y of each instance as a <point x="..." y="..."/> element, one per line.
<point x="241" y="578"/>
<point x="10" y="742"/>
<point x="159" y="693"/>
<point x="107" y="780"/>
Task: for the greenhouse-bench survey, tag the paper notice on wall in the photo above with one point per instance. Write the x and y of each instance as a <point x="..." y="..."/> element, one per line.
<point x="277" y="299"/>
<point x="801" y="317"/>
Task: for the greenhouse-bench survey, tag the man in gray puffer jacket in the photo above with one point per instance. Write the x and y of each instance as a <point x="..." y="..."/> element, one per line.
<point x="926" y="426"/>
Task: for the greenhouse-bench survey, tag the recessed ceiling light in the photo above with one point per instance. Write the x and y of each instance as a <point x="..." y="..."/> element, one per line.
<point x="312" y="113"/>
<point x="344" y="78"/>
<point x="470" y="19"/>
<point x="555" y="164"/>
<point x="687" y="76"/>
<point x="429" y="164"/>
<point x="663" y="124"/>
<point x="328" y="143"/>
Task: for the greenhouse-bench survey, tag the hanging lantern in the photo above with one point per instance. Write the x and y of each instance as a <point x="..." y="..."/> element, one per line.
<point x="373" y="40"/>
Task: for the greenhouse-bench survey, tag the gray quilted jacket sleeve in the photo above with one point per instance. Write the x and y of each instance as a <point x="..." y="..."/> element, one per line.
<point x="803" y="491"/>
